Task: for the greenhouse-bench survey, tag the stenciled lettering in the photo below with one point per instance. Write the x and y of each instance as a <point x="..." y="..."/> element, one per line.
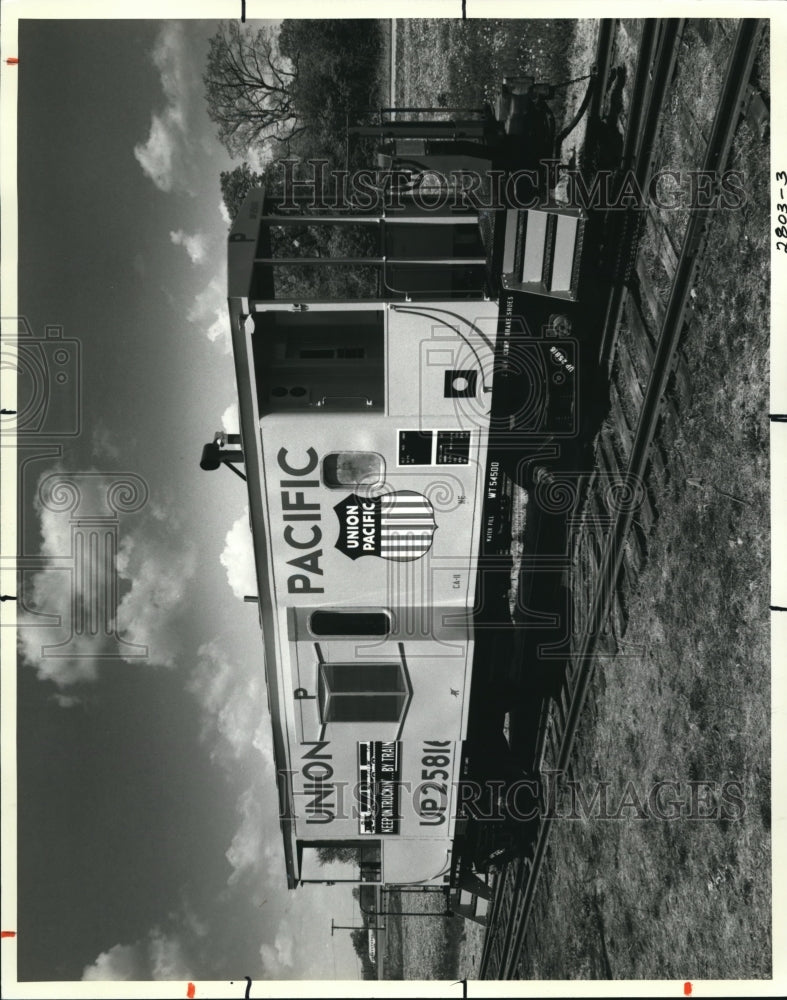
<point x="318" y="774"/>
<point x="298" y="503"/>
<point x="431" y="796"/>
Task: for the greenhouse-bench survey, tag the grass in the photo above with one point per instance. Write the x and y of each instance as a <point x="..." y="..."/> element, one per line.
<point x="690" y="105"/>
<point x="462" y="63"/>
<point x="421" y="947"/>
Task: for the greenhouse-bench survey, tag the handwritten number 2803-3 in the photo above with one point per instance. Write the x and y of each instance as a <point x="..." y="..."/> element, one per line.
<point x="781" y="177"/>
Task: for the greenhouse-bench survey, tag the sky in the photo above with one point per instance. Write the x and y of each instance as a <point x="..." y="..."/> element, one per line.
<point x="148" y="837"/>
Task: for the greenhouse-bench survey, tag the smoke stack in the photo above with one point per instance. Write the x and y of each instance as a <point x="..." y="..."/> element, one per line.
<point x="216" y="452"/>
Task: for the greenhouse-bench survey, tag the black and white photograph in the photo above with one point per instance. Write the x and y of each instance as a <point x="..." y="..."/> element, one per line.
<point x="392" y="421"/>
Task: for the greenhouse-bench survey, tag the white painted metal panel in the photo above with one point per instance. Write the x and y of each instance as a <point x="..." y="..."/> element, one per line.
<point x="533" y="262"/>
<point x="563" y="261"/>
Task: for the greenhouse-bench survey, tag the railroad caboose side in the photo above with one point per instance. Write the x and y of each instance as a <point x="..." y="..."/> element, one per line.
<point x="388" y="363"/>
<point x="364" y="432"/>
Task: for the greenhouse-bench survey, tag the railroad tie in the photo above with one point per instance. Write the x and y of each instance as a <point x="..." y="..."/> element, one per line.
<point x="657" y="467"/>
<point x="640" y="338"/>
<point x="629" y="373"/>
<point x="621" y="424"/>
<point x="655" y="306"/>
<point x="682" y="383"/>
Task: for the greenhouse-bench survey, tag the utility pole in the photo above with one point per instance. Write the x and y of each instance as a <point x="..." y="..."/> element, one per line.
<point x="343" y="927"/>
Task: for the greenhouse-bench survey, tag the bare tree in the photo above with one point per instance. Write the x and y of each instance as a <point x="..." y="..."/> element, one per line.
<point x="248" y="88"/>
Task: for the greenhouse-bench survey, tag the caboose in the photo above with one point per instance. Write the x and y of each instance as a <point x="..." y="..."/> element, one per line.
<point x="381" y="392"/>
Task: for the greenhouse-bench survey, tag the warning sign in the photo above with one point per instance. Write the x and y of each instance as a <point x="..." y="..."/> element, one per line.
<point x="378" y="787"/>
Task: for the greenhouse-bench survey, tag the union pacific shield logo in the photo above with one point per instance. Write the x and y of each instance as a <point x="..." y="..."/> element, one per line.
<point x="396" y="526"/>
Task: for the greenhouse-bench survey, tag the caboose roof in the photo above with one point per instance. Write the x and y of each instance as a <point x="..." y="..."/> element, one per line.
<point x="242" y="247"/>
<point x="240" y="260"/>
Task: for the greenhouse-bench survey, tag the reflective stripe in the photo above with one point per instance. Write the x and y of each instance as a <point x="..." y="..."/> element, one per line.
<point x="563" y="260"/>
<point x="533" y="262"/>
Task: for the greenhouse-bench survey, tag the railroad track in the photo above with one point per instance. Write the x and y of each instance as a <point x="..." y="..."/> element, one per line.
<point x="605" y="47"/>
<point x="656" y="63"/>
<point x="617" y="511"/>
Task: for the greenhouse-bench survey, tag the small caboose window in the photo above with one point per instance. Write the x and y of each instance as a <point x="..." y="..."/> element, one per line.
<point x="343" y="469"/>
<point x="340" y="860"/>
<point x="362" y="692"/>
<point x="355" y="623"/>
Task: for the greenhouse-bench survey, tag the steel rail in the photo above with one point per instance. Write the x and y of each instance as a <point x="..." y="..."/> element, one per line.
<point x="654" y="74"/>
<point x="602" y="65"/>
<point x="646" y="60"/>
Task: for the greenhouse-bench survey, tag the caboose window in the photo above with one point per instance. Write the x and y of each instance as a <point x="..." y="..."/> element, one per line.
<point x="340" y="861"/>
<point x="327" y="353"/>
<point x="316" y="353"/>
<point x="343" y="469"/>
<point x="355" y="623"/>
<point x="362" y="692"/>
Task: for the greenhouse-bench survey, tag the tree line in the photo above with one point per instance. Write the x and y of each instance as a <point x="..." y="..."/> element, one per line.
<point x="290" y="91"/>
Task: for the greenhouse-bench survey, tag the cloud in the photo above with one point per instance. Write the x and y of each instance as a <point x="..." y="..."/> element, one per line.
<point x="159" y="574"/>
<point x="49" y="626"/>
<point x="104" y="442"/>
<point x="236" y="725"/>
<point x="121" y="962"/>
<point x="232" y="698"/>
<point x="224" y="213"/>
<point x="230" y="421"/>
<point x="157" y="155"/>
<point x="69" y="618"/>
<point x="209" y="311"/>
<point x="169" y="57"/>
<point x="246" y="850"/>
<point x="237" y="558"/>
<point x="193" y="245"/>
<point x="256" y="852"/>
<point x="277" y="957"/>
<point x="158" y="957"/>
<point x="163" y="156"/>
<point x="167" y="959"/>
<point x="67" y="700"/>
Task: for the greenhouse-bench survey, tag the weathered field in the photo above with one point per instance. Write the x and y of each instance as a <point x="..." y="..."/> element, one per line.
<point x="421" y="947"/>
<point x="462" y="63"/>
